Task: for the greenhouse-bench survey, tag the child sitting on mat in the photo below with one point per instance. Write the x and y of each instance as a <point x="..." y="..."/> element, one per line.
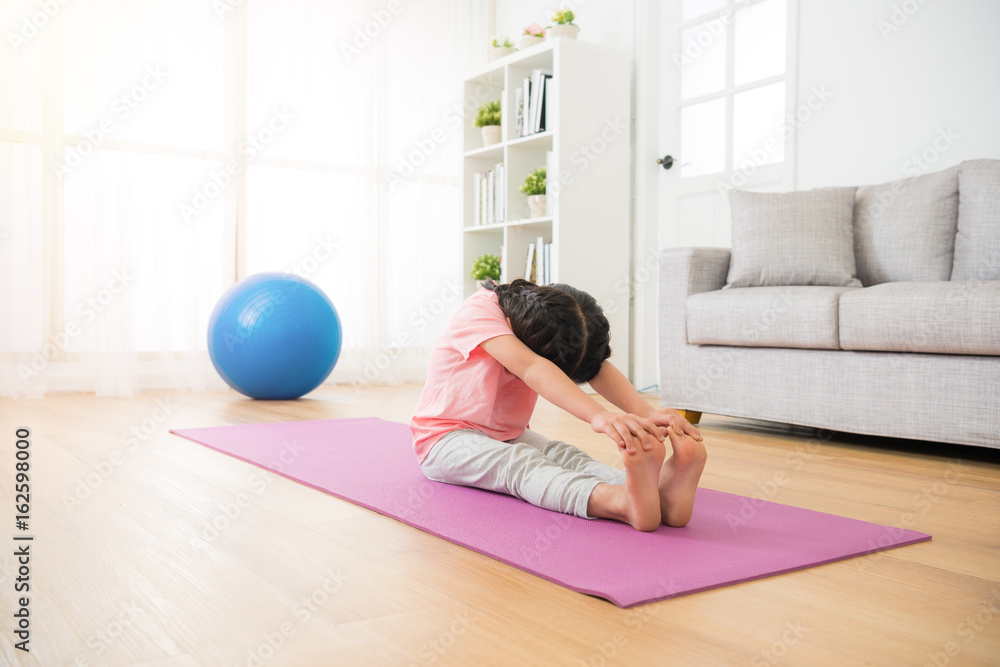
<point x="509" y="343"/>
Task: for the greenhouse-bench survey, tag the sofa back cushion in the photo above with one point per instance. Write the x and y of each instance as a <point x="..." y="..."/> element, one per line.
<point x="905" y="230"/>
<point x="977" y="243"/>
<point x="792" y="238"/>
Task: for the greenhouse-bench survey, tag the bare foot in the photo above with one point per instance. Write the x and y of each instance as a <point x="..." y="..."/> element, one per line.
<point x="637" y="502"/>
<point x="679" y="477"/>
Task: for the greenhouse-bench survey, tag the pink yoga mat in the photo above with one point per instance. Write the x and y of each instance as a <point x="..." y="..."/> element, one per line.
<point x="731" y="539"/>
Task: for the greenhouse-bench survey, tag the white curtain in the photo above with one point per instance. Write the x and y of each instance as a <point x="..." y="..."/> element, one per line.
<point x="153" y="153"/>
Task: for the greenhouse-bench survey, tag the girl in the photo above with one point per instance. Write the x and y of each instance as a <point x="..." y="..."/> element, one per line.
<point x="509" y="343"/>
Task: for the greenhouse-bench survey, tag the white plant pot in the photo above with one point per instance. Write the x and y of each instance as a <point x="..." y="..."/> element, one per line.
<point x="501" y="51"/>
<point x="536" y="205"/>
<point x="565" y="30"/>
<point x="528" y="41"/>
<point x="491" y="134"/>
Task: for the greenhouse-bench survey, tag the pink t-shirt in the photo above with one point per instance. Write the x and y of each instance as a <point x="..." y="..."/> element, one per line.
<point x="466" y="388"/>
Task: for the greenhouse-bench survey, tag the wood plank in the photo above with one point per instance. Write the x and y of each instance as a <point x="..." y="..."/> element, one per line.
<point x="153" y="550"/>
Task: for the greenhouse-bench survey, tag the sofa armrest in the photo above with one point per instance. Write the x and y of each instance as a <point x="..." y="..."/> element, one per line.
<point x="683" y="272"/>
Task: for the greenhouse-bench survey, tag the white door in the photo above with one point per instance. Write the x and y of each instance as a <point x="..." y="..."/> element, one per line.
<point x="726" y="91"/>
<point x="715" y="91"/>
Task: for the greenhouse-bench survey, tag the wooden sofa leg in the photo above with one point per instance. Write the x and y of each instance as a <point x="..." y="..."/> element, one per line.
<point x="692" y="416"/>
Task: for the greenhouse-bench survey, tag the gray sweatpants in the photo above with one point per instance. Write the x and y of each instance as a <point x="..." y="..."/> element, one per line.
<point x="547" y="473"/>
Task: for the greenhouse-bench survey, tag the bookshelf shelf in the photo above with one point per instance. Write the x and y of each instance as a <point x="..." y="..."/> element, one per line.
<point x="524" y="222"/>
<point x="588" y="195"/>
<point x="540" y="138"/>
<point x="494" y="152"/>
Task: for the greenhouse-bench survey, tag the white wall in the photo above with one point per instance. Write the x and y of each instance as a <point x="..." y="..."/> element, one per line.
<point x="906" y="78"/>
<point x="900" y="75"/>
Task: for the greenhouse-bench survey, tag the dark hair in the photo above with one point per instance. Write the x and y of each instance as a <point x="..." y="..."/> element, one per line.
<point x="559" y="322"/>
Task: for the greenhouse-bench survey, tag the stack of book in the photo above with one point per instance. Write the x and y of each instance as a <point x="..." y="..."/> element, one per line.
<point x="488" y="200"/>
<point x="538" y="265"/>
<point x="530" y="101"/>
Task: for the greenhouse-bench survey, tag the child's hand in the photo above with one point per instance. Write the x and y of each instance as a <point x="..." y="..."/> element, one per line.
<point x="628" y="430"/>
<point x="670" y="417"/>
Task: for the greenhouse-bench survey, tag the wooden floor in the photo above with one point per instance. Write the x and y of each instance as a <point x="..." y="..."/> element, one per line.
<point x="153" y="550"/>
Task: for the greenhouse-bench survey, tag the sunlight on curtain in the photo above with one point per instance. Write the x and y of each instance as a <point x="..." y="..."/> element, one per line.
<point x="151" y="153"/>
<point x="360" y="193"/>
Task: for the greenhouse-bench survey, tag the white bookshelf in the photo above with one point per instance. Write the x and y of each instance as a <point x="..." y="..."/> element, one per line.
<point x="588" y="123"/>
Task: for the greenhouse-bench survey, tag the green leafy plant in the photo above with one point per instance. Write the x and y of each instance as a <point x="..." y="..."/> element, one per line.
<point x="534" y="183"/>
<point x="486" y="266"/>
<point x="506" y="42"/>
<point x="488" y="114"/>
<point x="563" y="17"/>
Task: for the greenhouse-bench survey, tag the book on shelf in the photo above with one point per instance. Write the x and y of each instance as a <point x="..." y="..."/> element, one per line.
<point x="538" y="263"/>
<point x="522" y="129"/>
<point x="519" y="110"/>
<point x="490" y="188"/>
<point x="539" y="79"/>
<point x="490" y="196"/>
<point x="531" y="102"/>
<point x="529" y="264"/>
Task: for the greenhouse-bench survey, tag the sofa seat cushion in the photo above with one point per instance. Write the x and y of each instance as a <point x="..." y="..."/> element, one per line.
<point x="788" y="316"/>
<point x="952" y="317"/>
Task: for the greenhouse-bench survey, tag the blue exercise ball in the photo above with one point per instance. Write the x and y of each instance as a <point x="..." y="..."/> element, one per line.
<point x="274" y="336"/>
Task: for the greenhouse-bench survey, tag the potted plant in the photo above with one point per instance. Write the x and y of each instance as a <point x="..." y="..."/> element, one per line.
<point x="534" y="187"/>
<point x="564" y="26"/>
<point x="486" y="266"/>
<point x="501" y="47"/>
<point x="531" y="35"/>
<point x="488" y="118"/>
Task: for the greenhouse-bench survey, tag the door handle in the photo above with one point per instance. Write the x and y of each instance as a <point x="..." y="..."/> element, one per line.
<point x="667" y="161"/>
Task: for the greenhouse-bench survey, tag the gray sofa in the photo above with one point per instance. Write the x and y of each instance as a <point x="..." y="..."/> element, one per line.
<point x="872" y="310"/>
